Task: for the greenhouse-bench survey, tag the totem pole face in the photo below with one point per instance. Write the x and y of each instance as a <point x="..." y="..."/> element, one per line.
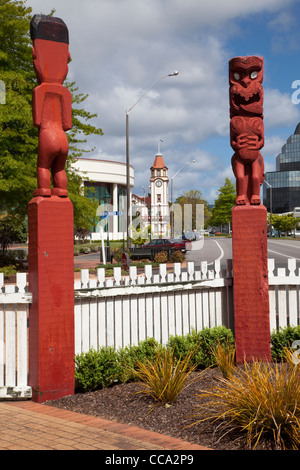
<point x="246" y="92"/>
<point x="50" y="50"/>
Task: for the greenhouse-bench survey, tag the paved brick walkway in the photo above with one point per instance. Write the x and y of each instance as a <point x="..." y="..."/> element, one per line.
<point x="26" y="425"/>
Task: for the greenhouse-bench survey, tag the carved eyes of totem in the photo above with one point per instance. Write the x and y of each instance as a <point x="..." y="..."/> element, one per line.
<point x="253" y="75"/>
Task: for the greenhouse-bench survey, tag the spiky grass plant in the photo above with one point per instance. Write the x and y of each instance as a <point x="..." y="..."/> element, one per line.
<point x="224" y="357"/>
<point x="166" y="377"/>
<point x="259" y="399"/>
<point x="291" y="357"/>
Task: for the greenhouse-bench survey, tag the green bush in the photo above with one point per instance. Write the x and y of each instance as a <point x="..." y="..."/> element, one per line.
<point x="283" y="338"/>
<point x="76" y="250"/>
<point x="84" y="249"/>
<point x="205" y="341"/>
<point x="8" y="270"/>
<point x="94" y="248"/>
<point x="96" y="369"/>
<point x="130" y="356"/>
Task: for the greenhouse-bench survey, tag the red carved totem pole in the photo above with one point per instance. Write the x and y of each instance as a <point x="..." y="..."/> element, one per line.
<point x="249" y="216"/>
<point x="50" y="219"/>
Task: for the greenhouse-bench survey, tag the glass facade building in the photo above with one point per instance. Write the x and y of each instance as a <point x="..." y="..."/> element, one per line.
<point x="281" y="189"/>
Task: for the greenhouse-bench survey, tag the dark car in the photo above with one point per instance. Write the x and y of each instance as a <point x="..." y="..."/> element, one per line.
<point x="160" y="244"/>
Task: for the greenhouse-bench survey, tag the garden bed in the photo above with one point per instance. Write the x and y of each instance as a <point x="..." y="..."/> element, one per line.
<point x="123" y="404"/>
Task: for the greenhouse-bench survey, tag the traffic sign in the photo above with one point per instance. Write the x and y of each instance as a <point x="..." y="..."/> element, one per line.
<point x="105" y="214"/>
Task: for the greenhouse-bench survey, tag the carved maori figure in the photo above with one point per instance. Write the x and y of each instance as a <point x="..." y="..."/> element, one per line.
<point x="51" y="102"/>
<point x="246" y="126"/>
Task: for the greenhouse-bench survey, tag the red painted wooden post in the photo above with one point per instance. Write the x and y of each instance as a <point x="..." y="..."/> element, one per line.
<point x="50" y="220"/>
<point x="51" y="281"/>
<point x="250" y="283"/>
<point x="249" y="216"/>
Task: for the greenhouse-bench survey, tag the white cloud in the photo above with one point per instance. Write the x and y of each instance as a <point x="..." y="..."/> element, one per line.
<point x="273" y="145"/>
<point x="279" y="109"/>
<point x="120" y="47"/>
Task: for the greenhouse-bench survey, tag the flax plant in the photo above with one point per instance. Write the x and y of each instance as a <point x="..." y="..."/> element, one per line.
<point x="224" y="357"/>
<point x="261" y="400"/>
<point x="291" y="357"/>
<point x="165" y="377"/>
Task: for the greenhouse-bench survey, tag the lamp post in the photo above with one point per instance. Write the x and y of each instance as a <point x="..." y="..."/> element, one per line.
<point x="271" y="203"/>
<point x="107" y="198"/>
<point x="127" y="150"/>
<point x="172" y="218"/>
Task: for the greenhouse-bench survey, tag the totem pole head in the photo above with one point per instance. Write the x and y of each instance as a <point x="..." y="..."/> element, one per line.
<point x="50" y="48"/>
<point x="245" y="80"/>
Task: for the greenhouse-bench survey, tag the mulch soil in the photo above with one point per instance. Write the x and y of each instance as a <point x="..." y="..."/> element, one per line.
<point x="123" y="404"/>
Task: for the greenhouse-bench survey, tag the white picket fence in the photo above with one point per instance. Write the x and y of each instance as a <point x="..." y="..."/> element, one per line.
<point x="14" y="311"/>
<point x="123" y="310"/>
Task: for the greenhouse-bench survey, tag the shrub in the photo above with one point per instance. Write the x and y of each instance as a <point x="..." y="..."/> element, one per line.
<point x="261" y="400"/>
<point x="131" y="356"/>
<point x="165" y="377"/>
<point x="203" y="342"/>
<point x="94" y="248"/>
<point x="283" y="338"/>
<point x="96" y="369"/>
<point x="84" y="249"/>
<point x="76" y="250"/>
<point x="8" y="270"/>
<point x="161" y="257"/>
<point x="176" y="257"/>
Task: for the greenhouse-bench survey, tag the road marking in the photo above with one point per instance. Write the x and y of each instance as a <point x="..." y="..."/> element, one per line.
<point x="285" y="244"/>
<point x="221" y="255"/>
<point x="281" y="254"/>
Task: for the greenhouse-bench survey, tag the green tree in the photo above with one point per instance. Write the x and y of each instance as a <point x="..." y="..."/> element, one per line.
<point x="193" y="197"/>
<point x="221" y="212"/>
<point x="18" y="137"/>
<point x="12" y="229"/>
<point x="284" y="223"/>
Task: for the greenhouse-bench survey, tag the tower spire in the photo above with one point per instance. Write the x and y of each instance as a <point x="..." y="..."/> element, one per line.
<point x="158" y="146"/>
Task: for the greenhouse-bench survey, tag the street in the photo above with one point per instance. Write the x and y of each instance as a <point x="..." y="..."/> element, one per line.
<point x="221" y="249"/>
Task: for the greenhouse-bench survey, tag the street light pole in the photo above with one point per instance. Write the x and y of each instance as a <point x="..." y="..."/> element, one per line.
<point x="127" y="151"/>
<point x="271" y="204"/>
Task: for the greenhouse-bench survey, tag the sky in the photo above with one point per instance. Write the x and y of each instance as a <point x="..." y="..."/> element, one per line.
<point x="120" y="48"/>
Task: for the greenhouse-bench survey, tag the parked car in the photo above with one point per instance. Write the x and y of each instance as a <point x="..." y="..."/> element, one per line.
<point x="160" y="244"/>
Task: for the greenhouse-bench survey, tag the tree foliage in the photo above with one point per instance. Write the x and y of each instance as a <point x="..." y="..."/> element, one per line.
<point x="221" y="212"/>
<point x="193" y="197"/>
<point x="284" y="223"/>
<point x="18" y="137"/>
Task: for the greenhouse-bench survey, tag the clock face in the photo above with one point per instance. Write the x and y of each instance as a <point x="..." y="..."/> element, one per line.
<point x="158" y="183"/>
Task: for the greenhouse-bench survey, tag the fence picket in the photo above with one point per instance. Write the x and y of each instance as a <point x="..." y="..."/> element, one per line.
<point x="10" y="348"/>
<point x="2" y="346"/>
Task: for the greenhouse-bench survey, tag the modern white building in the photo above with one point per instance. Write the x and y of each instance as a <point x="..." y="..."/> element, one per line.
<point x="105" y="181"/>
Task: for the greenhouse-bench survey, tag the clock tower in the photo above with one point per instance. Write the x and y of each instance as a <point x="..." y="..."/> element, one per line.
<point x="160" y="214"/>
